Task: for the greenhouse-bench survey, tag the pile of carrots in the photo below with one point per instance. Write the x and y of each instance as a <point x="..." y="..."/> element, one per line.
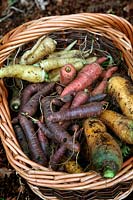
<point x="72" y="114"/>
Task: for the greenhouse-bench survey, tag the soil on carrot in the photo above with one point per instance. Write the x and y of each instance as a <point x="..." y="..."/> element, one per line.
<point x="14" y="13"/>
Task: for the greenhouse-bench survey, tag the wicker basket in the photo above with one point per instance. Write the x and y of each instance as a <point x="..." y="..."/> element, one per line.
<point x="44" y="182"/>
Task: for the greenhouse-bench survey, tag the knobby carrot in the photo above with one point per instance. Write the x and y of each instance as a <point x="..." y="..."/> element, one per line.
<point x="59" y="134"/>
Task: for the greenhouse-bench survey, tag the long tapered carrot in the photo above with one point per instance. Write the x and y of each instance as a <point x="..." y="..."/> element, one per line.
<point x="84" y="111"/>
<point x="84" y="78"/>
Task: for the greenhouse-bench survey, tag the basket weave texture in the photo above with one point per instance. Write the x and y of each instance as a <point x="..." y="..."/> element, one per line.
<point x="44" y="181"/>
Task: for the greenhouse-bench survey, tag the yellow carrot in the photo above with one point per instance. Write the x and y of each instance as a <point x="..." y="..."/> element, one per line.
<point x="122" y="90"/>
<point x="105" y="153"/>
<point x="25" y="72"/>
<point x="43" y="47"/>
<point x="120" y="124"/>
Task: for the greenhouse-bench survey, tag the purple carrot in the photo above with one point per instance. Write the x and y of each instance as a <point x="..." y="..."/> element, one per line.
<point x="30" y="90"/>
<point x="59" y="134"/>
<point x="33" y="142"/>
<point x="97" y="97"/>
<point x="44" y="142"/>
<point x="84" y="111"/>
<point x="32" y="105"/>
<point x="57" y="157"/>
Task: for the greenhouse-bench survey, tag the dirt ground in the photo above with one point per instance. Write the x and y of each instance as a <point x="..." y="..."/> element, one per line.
<point x="14" y="13"/>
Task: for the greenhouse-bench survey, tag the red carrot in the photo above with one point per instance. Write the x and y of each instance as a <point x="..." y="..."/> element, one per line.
<point x="80" y="98"/>
<point x="109" y="72"/>
<point x="59" y="134"/>
<point x="84" y="111"/>
<point x="100" y="88"/>
<point x="85" y="78"/>
<point x="67" y="74"/>
<point x="101" y="60"/>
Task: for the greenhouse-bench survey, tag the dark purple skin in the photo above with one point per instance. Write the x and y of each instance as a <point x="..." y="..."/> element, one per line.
<point x="37" y="154"/>
<point x="30" y="90"/>
<point x="59" y="133"/>
<point x="57" y="102"/>
<point x="43" y="142"/>
<point x="21" y="139"/>
<point x="87" y="110"/>
<point x="97" y="97"/>
<point x="57" y="157"/>
<point x="32" y="105"/>
<point x="30" y="108"/>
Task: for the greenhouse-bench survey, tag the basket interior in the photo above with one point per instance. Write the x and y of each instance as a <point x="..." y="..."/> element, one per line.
<point x="98" y="46"/>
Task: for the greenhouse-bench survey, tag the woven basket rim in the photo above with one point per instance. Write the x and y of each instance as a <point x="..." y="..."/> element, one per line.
<point x="115" y="28"/>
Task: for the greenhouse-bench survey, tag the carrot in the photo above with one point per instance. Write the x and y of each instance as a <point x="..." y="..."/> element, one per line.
<point x="120" y="124"/>
<point x="32" y="105"/>
<point x="43" y="47"/>
<point x="44" y="143"/>
<point x="84" y="111"/>
<point x="101" y="88"/>
<point x="122" y="90"/>
<point x="104" y="152"/>
<point x="59" y="89"/>
<point x="67" y="74"/>
<point x="106" y="74"/>
<point x="59" y="134"/>
<point x="69" y="54"/>
<point x="65" y="106"/>
<point x="64" y="51"/>
<point x="33" y="143"/>
<point x="30" y="90"/>
<point x="72" y="167"/>
<point x="57" y="157"/>
<point x="80" y="98"/>
<point x="101" y="60"/>
<point x="51" y="64"/>
<point x="54" y="75"/>
<point x="20" y="135"/>
<point x="85" y="78"/>
<point x="25" y="72"/>
<point x="97" y="97"/>
<point x="65" y="124"/>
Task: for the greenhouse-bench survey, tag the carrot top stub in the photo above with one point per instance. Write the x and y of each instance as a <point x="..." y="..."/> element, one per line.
<point x="85" y="77"/>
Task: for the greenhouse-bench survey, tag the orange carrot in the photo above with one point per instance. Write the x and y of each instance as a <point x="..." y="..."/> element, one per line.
<point x="85" y="78"/>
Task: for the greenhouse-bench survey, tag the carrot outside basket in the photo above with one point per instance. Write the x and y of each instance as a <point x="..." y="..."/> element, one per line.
<point x="46" y="183"/>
